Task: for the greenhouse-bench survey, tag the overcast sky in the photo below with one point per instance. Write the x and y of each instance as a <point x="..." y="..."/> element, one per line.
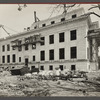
<point x="15" y="21"/>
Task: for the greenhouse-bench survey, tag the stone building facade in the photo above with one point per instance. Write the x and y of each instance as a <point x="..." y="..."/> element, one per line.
<point x="56" y="42"/>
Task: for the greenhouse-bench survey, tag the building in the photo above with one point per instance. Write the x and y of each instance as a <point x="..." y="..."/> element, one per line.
<point x="63" y="41"/>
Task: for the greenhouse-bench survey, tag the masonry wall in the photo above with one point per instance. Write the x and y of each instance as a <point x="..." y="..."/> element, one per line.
<point x="80" y="43"/>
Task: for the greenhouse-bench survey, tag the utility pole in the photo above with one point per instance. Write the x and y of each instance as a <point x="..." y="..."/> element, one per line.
<point x="35" y="16"/>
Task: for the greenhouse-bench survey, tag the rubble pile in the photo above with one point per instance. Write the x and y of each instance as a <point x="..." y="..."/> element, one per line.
<point x="32" y="85"/>
<point x="22" y="86"/>
<point x="93" y="75"/>
<point x="5" y="73"/>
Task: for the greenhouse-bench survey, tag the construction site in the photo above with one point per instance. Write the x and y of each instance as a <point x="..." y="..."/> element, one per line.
<point x="53" y="57"/>
<point x="33" y="85"/>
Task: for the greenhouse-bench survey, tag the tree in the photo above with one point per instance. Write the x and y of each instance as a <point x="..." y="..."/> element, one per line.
<point x="66" y="7"/>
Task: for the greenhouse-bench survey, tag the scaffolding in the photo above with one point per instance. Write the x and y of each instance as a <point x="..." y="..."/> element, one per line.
<point x="26" y="41"/>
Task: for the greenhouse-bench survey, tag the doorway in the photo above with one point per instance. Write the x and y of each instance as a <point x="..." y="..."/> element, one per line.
<point x="26" y="62"/>
<point x="61" y="67"/>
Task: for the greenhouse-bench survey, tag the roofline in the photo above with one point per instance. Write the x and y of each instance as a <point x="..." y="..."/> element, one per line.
<point x="61" y="15"/>
<point x="41" y="28"/>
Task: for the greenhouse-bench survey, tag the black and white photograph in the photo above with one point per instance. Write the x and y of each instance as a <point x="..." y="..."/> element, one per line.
<point x="50" y="50"/>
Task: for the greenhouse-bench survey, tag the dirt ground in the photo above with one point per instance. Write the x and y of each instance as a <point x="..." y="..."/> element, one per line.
<point x="21" y="86"/>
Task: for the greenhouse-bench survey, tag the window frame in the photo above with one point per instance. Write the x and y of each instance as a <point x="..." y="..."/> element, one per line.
<point x="74" y="15"/>
<point x="3" y="48"/>
<point x="62" y="19"/>
<point x="62" y="37"/>
<point x="51" y="39"/>
<point x="43" y="25"/>
<point x="73" y="52"/>
<point x="73" y="67"/>
<point x="73" y="35"/>
<point x="50" y="67"/>
<point x="33" y="57"/>
<point x="41" y="67"/>
<point x="8" y="47"/>
<point x="26" y="47"/>
<point x="8" y="58"/>
<point x="13" y="58"/>
<point x="51" y="54"/>
<point x="20" y="48"/>
<point x="52" y="22"/>
<point x="3" y="59"/>
<point x="61" y="55"/>
<point x="19" y="59"/>
<point x="61" y="67"/>
<point x="32" y="67"/>
<point x="42" y="55"/>
<point x="42" y="43"/>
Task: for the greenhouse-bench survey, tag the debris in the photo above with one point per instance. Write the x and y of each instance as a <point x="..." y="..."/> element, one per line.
<point x="5" y="73"/>
<point x="58" y="82"/>
<point x="30" y="85"/>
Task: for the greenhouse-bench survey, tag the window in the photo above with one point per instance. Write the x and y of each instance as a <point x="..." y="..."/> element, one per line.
<point x="51" y="39"/>
<point x="41" y="67"/>
<point x="8" y="47"/>
<point x="19" y="59"/>
<point x="50" y="67"/>
<point x="74" y="16"/>
<point x="33" y="58"/>
<point x="19" y="42"/>
<point x="33" y="46"/>
<point x="73" y="52"/>
<point x="26" y="46"/>
<point x="8" y="58"/>
<point x="61" y="53"/>
<point x="62" y="19"/>
<point x="73" y="35"/>
<point x="3" y="59"/>
<point x="43" y="39"/>
<point x="73" y="67"/>
<point x="61" y="67"/>
<point x="13" y="58"/>
<point x="42" y="57"/>
<point x="51" y="54"/>
<point x="32" y="67"/>
<point x="20" y="48"/>
<point x="19" y="45"/>
<point x="3" y="48"/>
<point x="27" y="40"/>
<point x="43" y="25"/>
<point x="13" y="48"/>
<point x="35" y="27"/>
<point x="52" y="22"/>
<point x="61" y="37"/>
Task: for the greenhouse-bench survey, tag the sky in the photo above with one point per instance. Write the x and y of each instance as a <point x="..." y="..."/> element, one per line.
<point x="15" y="21"/>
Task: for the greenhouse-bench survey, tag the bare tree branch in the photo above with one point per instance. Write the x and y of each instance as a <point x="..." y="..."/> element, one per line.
<point x="93" y="14"/>
<point x="70" y="6"/>
<point x="96" y="14"/>
<point x="93" y="7"/>
<point x="67" y="7"/>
